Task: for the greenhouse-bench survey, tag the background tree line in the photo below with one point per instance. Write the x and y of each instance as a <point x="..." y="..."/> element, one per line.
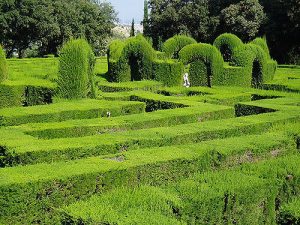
<point x="44" y="25"/>
<point x="204" y="20"/>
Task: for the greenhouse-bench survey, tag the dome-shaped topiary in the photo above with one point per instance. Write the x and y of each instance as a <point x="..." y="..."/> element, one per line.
<point x="173" y="45"/>
<point x="226" y="43"/>
<point x="3" y="65"/>
<point x="262" y="42"/>
<point x="255" y="59"/>
<point x="131" y="60"/>
<point x="76" y="70"/>
<point x="205" y="61"/>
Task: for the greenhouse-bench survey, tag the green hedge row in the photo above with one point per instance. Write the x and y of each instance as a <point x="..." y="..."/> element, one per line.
<point x="173" y="45"/>
<point x="249" y="64"/>
<point x="62" y="183"/>
<point x="169" y="72"/>
<point x="163" y="118"/>
<point x="206" y="64"/>
<point x="76" y="70"/>
<point x="80" y="109"/>
<point x="24" y="95"/>
<point x="24" y="149"/>
<point x="226" y="43"/>
<point x="3" y="65"/>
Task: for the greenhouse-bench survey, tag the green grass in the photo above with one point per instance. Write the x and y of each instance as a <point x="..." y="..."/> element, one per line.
<point x="290" y="212"/>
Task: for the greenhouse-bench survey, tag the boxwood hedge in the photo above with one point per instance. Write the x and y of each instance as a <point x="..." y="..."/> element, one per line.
<point x="174" y="44"/>
<point x="206" y="64"/>
<point x="76" y="70"/>
<point x="3" y="65"/>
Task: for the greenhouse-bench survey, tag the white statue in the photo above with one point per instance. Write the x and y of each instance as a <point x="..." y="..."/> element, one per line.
<point x="186" y="80"/>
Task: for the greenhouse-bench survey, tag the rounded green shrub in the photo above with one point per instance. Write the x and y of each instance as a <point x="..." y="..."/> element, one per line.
<point x="226" y="43"/>
<point x="262" y="42"/>
<point x="3" y="65"/>
<point x="173" y="45"/>
<point x="135" y="61"/>
<point x="76" y="70"/>
<point x="206" y="63"/>
<point x="255" y="59"/>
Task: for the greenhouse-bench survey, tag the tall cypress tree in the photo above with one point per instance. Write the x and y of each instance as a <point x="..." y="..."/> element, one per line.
<point x="132" y="31"/>
<point x="146" y="19"/>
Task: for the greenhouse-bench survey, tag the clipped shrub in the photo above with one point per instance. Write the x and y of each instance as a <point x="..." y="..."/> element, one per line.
<point x="262" y="42"/>
<point x="76" y="70"/>
<point x="174" y="44"/>
<point x="206" y="63"/>
<point x="169" y="72"/>
<point x="226" y="43"/>
<point x="135" y="61"/>
<point x="255" y="59"/>
<point x="3" y="65"/>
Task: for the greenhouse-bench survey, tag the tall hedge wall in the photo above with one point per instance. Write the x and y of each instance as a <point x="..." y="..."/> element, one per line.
<point x="174" y="44"/>
<point x="255" y="60"/>
<point x="226" y="43"/>
<point x="76" y="70"/>
<point x="262" y="42"/>
<point x="3" y="65"/>
<point x="169" y="72"/>
<point x="131" y="60"/>
<point x="206" y="63"/>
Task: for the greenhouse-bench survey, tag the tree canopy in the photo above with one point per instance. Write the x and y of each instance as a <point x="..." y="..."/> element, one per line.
<point x="49" y="23"/>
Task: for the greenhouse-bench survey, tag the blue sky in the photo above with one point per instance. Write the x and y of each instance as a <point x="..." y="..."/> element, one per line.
<point x="128" y="9"/>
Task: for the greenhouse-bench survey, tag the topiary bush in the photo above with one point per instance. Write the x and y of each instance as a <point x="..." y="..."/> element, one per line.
<point x="255" y="60"/>
<point x="226" y="43"/>
<point x="262" y="42"/>
<point x="76" y="70"/>
<point x="3" y="65"/>
<point x="206" y="64"/>
<point x="131" y="61"/>
<point x="174" y="44"/>
<point x="169" y="72"/>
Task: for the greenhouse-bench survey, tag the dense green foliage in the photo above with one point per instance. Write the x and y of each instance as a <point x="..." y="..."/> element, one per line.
<point x="3" y="65"/>
<point x="226" y="43"/>
<point x="243" y="19"/>
<point x="146" y="153"/>
<point x="205" y="20"/>
<point x="46" y="24"/>
<point x="206" y="64"/>
<point x="173" y="45"/>
<point x="76" y="70"/>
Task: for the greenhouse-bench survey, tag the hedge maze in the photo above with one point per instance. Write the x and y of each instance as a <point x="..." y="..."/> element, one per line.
<point x="76" y="148"/>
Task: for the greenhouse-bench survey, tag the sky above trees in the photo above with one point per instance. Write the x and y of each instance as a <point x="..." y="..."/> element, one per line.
<point x="129" y="9"/>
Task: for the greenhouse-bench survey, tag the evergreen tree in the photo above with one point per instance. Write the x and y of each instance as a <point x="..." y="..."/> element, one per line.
<point x="146" y="19"/>
<point x="132" y="31"/>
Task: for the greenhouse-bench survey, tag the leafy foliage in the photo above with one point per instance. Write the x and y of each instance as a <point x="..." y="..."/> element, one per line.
<point x="76" y="70"/>
<point x="226" y="43"/>
<point x="3" y="65"/>
<point x="206" y="63"/>
<point x="50" y="23"/>
<point x="244" y="18"/>
<point x="173" y="45"/>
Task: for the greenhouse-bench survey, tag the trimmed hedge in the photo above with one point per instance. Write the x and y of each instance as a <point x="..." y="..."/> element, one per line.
<point x="254" y="58"/>
<point x="76" y="109"/>
<point x="14" y="94"/>
<point x="206" y="64"/>
<point x="3" y="65"/>
<point x="173" y="45"/>
<point x="23" y="149"/>
<point x="62" y="183"/>
<point x="169" y="72"/>
<point x="76" y="70"/>
<point x="135" y="61"/>
<point x="226" y="43"/>
<point x="262" y="42"/>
